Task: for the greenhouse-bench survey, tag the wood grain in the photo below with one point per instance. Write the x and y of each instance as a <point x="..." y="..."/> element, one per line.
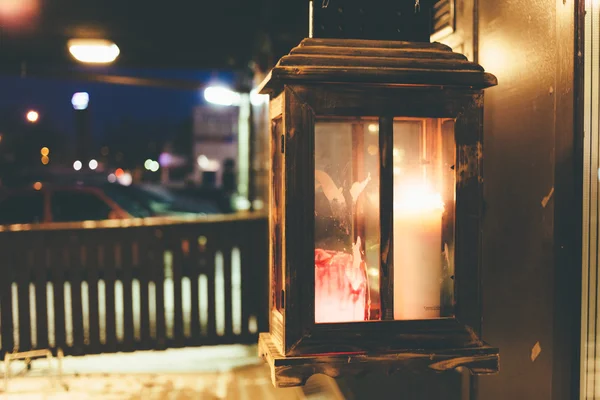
<point x="295" y="371"/>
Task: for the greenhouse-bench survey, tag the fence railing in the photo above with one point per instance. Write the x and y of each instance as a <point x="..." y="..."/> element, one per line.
<point x="131" y="285"/>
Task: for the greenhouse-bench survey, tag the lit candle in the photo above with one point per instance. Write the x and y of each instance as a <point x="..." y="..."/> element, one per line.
<point x="417" y="254"/>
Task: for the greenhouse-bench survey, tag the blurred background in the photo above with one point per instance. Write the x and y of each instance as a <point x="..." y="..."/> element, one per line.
<point x="97" y="94"/>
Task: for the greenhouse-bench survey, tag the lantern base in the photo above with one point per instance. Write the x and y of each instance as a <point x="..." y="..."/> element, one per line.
<point x="295" y="370"/>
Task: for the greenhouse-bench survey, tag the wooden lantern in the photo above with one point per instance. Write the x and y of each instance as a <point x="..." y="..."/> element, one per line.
<point x="376" y="210"/>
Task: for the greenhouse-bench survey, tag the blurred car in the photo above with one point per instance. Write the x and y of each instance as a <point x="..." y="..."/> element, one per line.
<point x="44" y="203"/>
<point x="161" y="201"/>
<point x="61" y="204"/>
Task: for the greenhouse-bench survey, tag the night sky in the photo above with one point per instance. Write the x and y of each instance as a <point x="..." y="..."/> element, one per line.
<point x="109" y="103"/>
<point x="187" y="40"/>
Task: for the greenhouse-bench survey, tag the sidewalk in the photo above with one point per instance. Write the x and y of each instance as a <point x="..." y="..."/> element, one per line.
<point x="216" y="372"/>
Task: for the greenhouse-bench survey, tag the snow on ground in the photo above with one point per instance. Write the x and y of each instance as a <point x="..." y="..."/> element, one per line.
<point x="215" y="372"/>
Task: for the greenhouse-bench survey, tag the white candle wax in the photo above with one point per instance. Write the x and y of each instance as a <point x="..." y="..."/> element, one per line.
<point x="417" y="257"/>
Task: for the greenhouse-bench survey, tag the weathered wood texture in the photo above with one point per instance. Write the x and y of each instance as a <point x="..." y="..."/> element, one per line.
<point x="106" y="289"/>
<point x="299" y="219"/>
<point x="375" y="62"/>
<point x="295" y="371"/>
<point x="386" y="211"/>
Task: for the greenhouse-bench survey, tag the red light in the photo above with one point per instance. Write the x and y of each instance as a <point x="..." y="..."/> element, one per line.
<point x="119" y="172"/>
<point x="340" y="287"/>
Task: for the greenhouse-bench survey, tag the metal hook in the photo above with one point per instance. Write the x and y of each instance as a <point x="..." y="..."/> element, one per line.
<point x="325" y="4"/>
<point x="417" y="6"/>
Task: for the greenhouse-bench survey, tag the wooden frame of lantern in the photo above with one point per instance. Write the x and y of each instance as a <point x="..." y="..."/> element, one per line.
<point x="324" y="78"/>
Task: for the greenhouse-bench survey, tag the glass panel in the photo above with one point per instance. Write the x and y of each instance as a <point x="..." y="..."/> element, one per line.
<point x="346" y="221"/>
<point x="424" y="198"/>
<point x="73" y="206"/>
<point x="22" y="208"/>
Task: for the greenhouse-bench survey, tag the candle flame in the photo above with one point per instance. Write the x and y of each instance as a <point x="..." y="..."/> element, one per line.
<point x="418" y="198"/>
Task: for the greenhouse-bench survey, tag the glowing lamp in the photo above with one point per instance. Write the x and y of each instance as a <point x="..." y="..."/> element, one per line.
<point x="220" y="95"/>
<point x="32" y="116"/>
<point x="93" y="51"/>
<point x="80" y="100"/>
<point x="375" y="217"/>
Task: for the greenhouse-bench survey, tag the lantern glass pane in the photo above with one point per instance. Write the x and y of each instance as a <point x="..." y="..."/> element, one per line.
<point x="424" y="217"/>
<point x="347" y="219"/>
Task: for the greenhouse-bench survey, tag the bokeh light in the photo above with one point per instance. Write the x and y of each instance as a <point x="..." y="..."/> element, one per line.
<point x="32" y="116"/>
<point x="93" y="51"/>
<point x="18" y="15"/>
<point x="80" y="100"/>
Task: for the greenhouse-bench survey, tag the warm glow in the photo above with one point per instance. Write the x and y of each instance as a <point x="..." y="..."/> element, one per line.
<point x="207" y="164"/>
<point x="37" y="186"/>
<point x="18" y="14"/>
<point x="77" y="165"/>
<point x="45" y="160"/>
<point x="258" y="99"/>
<point x="417" y="199"/>
<point x="80" y="100"/>
<point x="32" y="116"/>
<point x="93" y="51"/>
<point x="119" y="172"/>
<point x="340" y="285"/>
<point x="417" y="252"/>
<point x="373" y="128"/>
<point x="125" y="178"/>
<point x="45" y="151"/>
<point x="93" y="164"/>
<point x="222" y="96"/>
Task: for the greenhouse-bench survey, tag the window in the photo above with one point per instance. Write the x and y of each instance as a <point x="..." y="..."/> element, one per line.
<point x="71" y="206"/>
<point x="126" y="198"/>
<point x="22" y="208"/>
<point x="384" y="231"/>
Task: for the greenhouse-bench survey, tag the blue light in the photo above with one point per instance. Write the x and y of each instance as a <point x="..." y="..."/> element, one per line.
<point x="80" y="100"/>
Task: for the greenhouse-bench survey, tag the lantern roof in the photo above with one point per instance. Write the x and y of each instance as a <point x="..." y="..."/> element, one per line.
<point x="375" y="62"/>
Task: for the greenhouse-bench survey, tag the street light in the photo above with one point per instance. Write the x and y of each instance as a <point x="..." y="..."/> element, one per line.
<point x="93" y="51"/>
<point x="221" y="96"/>
<point x="80" y="100"/>
<point x="32" y="116"/>
<point x="77" y="165"/>
<point x="93" y="164"/>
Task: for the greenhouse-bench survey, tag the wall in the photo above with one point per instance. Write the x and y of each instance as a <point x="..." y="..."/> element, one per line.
<point x="531" y="256"/>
